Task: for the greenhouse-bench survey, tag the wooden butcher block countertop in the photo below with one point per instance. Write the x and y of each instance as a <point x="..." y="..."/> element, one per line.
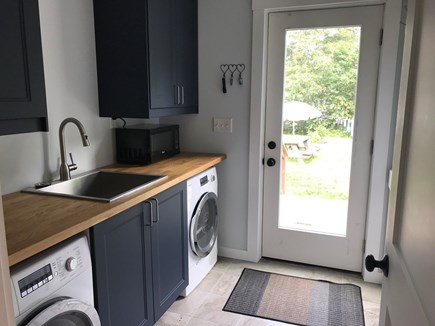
<point x="36" y="222"/>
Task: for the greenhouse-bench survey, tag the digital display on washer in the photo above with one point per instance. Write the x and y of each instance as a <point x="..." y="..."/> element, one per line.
<point x="204" y="180"/>
<point x="35" y="280"/>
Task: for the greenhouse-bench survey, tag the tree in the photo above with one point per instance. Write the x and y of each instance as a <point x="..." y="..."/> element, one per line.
<point x="321" y="69"/>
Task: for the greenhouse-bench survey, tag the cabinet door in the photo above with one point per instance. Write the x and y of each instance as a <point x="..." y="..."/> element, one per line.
<point x="169" y="247"/>
<point x="22" y="89"/>
<point x="186" y="44"/>
<point x="122" y="268"/>
<point x="173" y="53"/>
<point x="162" y="54"/>
<point x="122" y="58"/>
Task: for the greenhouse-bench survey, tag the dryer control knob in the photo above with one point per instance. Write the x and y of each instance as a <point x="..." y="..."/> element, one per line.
<point x="71" y="264"/>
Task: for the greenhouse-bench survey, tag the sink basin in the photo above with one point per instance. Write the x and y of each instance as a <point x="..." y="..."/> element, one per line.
<point x="101" y="186"/>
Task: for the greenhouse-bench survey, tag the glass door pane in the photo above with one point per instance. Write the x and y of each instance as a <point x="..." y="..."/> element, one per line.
<point x="320" y="81"/>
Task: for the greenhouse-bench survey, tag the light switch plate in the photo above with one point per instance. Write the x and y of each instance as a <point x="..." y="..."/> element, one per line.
<point x="223" y="125"/>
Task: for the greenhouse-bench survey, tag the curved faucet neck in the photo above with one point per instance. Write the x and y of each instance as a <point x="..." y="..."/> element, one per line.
<point x="64" y="167"/>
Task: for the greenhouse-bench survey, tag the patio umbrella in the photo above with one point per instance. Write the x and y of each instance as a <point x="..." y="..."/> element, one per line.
<point x="299" y="111"/>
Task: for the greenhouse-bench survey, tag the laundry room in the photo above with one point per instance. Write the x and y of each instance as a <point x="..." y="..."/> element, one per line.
<point x="243" y="162"/>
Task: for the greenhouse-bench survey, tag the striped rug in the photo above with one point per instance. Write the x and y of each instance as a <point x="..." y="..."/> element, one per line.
<point x="296" y="300"/>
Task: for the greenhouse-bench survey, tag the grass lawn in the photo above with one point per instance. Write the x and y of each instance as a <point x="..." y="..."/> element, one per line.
<point x="326" y="175"/>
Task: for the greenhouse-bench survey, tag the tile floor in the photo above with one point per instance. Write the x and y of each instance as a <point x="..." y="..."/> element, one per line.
<point x="203" y="307"/>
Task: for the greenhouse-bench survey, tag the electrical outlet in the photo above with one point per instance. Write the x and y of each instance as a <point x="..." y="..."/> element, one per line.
<point x="223" y="125"/>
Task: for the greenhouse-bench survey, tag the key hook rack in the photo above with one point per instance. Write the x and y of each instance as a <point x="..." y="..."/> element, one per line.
<point x="231" y="68"/>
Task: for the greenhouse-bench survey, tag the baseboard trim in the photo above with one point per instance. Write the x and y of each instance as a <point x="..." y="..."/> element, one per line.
<point x="373" y="277"/>
<point x="235" y="254"/>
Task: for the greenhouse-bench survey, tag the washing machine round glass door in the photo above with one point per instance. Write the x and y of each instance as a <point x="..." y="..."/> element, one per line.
<point x="203" y="226"/>
<point x="63" y="311"/>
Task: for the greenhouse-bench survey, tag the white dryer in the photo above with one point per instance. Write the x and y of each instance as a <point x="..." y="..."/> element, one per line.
<point x="202" y="214"/>
<point x="55" y="288"/>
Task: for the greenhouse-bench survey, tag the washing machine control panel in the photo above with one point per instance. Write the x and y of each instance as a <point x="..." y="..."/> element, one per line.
<point x="206" y="179"/>
<point x="35" y="280"/>
<point x="38" y="277"/>
<point x="71" y="264"/>
<point x="203" y="181"/>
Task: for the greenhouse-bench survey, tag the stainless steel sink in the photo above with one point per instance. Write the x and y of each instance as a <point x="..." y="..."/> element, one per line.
<point x="102" y="185"/>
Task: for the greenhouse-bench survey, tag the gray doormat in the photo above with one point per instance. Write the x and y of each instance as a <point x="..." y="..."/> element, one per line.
<point x="296" y="300"/>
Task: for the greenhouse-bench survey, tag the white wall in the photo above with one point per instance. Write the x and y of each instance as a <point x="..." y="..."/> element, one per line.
<point x="70" y="74"/>
<point x="71" y="84"/>
<point x="225" y="32"/>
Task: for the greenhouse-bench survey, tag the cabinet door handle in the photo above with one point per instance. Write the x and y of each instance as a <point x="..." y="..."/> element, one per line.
<point x="182" y="94"/>
<point x="157" y="210"/>
<point x="150" y="204"/>
<point x="156" y="216"/>
<point x="176" y="94"/>
<point x="179" y="95"/>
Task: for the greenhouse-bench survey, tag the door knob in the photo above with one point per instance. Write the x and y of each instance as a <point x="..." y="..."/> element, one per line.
<point x="271" y="162"/>
<point x="372" y="263"/>
<point x="271" y="145"/>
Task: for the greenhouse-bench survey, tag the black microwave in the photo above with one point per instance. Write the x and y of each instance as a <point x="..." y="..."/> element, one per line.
<point x="146" y="143"/>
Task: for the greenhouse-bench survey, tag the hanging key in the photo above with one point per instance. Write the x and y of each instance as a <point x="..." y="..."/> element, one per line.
<point x="224" y="69"/>
<point x="240" y="68"/>
<point x="233" y="69"/>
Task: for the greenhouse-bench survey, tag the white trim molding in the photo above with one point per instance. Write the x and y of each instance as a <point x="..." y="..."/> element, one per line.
<point x="283" y="5"/>
<point x="384" y="130"/>
<point x="233" y="253"/>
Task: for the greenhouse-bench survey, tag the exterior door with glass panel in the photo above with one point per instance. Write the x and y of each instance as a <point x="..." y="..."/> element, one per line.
<point x="321" y="91"/>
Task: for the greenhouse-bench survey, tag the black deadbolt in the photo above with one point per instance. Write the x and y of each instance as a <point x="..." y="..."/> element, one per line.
<point x="271" y="145"/>
<point x="271" y="162"/>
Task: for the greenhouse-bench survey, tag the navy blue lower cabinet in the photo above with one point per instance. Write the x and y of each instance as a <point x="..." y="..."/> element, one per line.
<point x="122" y="268"/>
<point x="140" y="260"/>
<point x="169" y="248"/>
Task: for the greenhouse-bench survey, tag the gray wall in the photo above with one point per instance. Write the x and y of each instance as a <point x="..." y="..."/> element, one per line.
<point x="70" y="74"/>
<point x="225" y="33"/>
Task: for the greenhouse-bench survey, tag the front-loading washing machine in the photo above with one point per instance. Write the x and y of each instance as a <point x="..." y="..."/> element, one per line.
<point x="54" y="287"/>
<point x="202" y="214"/>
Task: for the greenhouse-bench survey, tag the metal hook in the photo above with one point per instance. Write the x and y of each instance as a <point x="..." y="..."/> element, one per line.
<point x="232" y="68"/>
<point x="224" y="68"/>
<point x="240" y="68"/>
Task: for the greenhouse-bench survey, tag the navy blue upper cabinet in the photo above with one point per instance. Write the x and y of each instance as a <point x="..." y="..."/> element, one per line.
<point x="147" y="57"/>
<point x="23" y="105"/>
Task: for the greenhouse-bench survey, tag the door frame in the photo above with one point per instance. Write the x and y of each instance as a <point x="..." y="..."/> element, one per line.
<point x="345" y="250"/>
<point x="389" y="69"/>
